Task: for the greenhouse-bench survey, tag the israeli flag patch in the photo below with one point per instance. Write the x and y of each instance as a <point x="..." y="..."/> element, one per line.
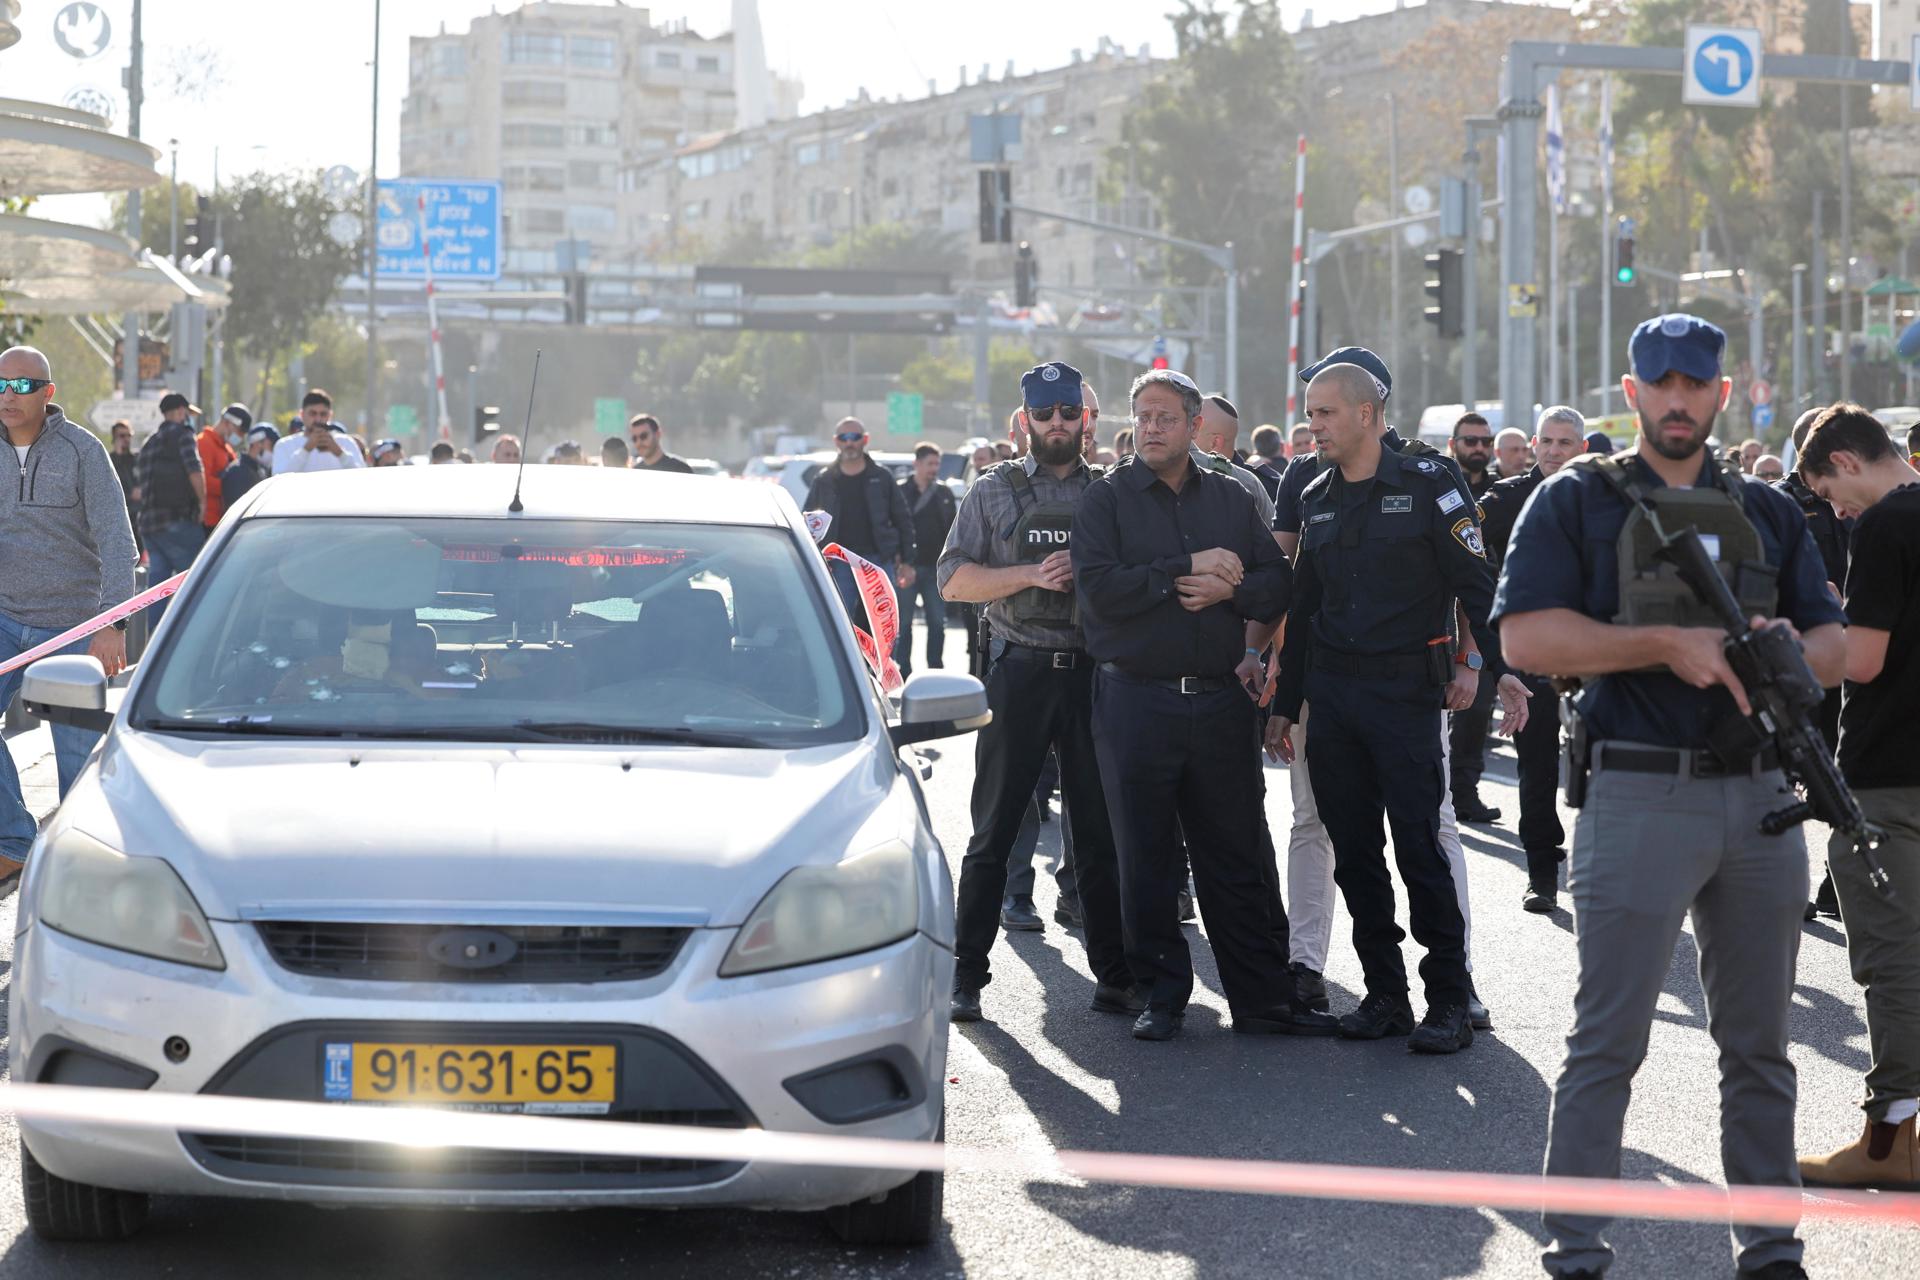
<point x="1451" y="501"/>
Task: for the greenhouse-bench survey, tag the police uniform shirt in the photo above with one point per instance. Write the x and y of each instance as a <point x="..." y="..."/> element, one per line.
<point x="982" y="534"/>
<point x="1381" y="563"/>
<point x="1302" y="470"/>
<point x="1134" y="536"/>
<point x="1500" y="509"/>
<point x="1564" y="554"/>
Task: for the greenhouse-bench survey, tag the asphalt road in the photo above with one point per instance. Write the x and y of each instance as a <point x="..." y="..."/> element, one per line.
<point x="1046" y="1073"/>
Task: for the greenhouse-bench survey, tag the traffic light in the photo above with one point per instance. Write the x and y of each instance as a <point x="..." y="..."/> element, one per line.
<point x="199" y="237"/>
<point x="1026" y="277"/>
<point x="486" y="423"/>
<point x="1160" y="362"/>
<point x="1445" y="287"/>
<point x="1624" y="275"/>
<point x="996" y="212"/>
<point x="577" y="298"/>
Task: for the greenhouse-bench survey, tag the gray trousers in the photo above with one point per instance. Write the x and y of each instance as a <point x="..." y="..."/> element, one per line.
<point x="1647" y="850"/>
<point x="1883" y="943"/>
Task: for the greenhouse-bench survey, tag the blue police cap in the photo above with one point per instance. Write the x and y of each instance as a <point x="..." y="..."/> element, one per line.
<point x="1054" y="382"/>
<point x="1599" y="442"/>
<point x="1372" y="363"/>
<point x="1676" y="341"/>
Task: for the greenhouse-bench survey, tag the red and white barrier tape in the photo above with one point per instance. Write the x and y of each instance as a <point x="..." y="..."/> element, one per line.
<point x="883" y="611"/>
<point x="418" y="1127"/>
<point x="125" y="609"/>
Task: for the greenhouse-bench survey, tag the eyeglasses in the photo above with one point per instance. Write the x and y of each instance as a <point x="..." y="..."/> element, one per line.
<point x="851" y="437"/>
<point x="1485" y="442"/>
<point x="1068" y="413"/>
<point x="24" y="386"/>
<point x="1165" y="421"/>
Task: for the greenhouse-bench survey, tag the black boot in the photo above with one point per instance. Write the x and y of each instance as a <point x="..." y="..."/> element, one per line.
<point x="1543" y="881"/>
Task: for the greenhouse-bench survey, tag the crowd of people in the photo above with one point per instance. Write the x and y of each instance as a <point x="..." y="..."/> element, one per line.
<point x="1152" y="614"/>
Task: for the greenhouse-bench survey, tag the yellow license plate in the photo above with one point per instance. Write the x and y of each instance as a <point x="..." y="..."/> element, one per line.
<point x="556" y="1079"/>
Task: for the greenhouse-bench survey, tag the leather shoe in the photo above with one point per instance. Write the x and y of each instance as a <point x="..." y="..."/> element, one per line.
<point x="1111" y="999"/>
<point x="1376" y="1018"/>
<point x="1896" y="1169"/>
<point x="1309" y="988"/>
<point x="1474" y="809"/>
<point x="1825" y="901"/>
<point x="965" y="1006"/>
<point x="1445" y="1029"/>
<point x="1286" y="1020"/>
<point x="1186" y="907"/>
<point x="1477" y="1011"/>
<point x="1067" y="912"/>
<point x="1158" y="1024"/>
<point x="1018" y="915"/>
<point x="1543" y="900"/>
<point x="1778" y="1269"/>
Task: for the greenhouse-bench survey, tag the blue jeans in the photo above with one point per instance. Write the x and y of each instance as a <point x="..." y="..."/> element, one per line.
<point x="170" y="550"/>
<point x="71" y="746"/>
<point x="926" y="591"/>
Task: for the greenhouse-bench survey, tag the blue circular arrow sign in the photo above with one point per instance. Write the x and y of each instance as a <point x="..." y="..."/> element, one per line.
<point x="1723" y="65"/>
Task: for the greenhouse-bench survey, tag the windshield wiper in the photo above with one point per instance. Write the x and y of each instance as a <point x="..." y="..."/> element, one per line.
<point x="594" y="731"/>
<point x="243" y="724"/>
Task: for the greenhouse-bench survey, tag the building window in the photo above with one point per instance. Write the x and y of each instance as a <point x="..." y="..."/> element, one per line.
<point x="707" y="63"/>
<point x="693" y="211"/>
<point x="534" y="177"/>
<point x="533" y="135"/>
<point x="589" y="173"/>
<point x="594" y="135"/>
<point x="807" y="153"/>
<point x="591" y="219"/>
<point x="594" y="53"/>
<point x="666" y="59"/>
<point x="543" y="221"/>
<point x="534" y="93"/>
<point x="534" y="49"/>
<point x="449" y="61"/>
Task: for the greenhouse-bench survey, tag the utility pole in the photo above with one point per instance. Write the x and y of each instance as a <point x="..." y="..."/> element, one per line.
<point x="1393" y="242"/>
<point x="1846" y="243"/>
<point x="1799" y="347"/>
<point x="1819" y="363"/>
<point x="173" y="200"/>
<point x="130" y="326"/>
<point x="372" y="245"/>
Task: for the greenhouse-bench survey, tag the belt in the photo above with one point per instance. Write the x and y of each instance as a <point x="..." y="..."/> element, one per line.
<point x="1377" y="666"/>
<point x="1058" y="659"/>
<point x="1179" y="684"/>
<point x="1678" y="760"/>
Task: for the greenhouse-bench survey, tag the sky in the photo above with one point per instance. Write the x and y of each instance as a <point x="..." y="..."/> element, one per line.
<point x="284" y="86"/>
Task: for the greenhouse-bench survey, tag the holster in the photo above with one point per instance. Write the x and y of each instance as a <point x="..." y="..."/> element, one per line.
<point x="1575" y="755"/>
<point x="1440" y="663"/>
<point x="983" y="644"/>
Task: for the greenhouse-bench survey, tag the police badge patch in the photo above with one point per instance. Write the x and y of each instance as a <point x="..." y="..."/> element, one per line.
<point x="1051" y="373"/>
<point x="1467" y="534"/>
<point x="1426" y="466"/>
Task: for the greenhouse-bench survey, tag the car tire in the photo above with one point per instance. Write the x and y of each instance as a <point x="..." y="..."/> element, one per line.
<point x="61" y="1210"/>
<point x="905" y="1217"/>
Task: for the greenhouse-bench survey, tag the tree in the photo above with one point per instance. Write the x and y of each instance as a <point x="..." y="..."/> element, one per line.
<point x="15" y="328"/>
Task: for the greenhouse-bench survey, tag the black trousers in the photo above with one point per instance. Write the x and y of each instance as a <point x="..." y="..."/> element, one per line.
<point x="1035" y="706"/>
<point x="1374" y="751"/>
<point x="1537" y="748"/>
<point x="1178" y="762"/>
<point x="1467" y="741"/>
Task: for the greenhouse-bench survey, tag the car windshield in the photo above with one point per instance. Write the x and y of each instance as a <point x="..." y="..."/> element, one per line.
<point x="484" y="630"/>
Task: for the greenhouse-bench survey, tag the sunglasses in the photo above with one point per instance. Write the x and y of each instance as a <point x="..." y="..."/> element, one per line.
<point x="1068" y="413"/>
<point x="851" y="437"/>
<point x="24" y="386"/>
<point x="1484" y="442"/>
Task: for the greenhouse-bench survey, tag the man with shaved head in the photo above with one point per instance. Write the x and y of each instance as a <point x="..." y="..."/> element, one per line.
<point x="69" y="555"/>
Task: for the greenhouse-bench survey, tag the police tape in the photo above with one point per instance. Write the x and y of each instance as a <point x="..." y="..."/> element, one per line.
<point x="125" y="609"/>
<point x="426" y="1129"/>
<point x="883" y="613"/>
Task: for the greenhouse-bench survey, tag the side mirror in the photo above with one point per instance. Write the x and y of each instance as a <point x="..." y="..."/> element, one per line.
<point x="69" y="688"/>
<point x="937" y="704"/>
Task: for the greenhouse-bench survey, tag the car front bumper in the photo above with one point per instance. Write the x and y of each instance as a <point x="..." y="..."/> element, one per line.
<point x="762" y="1043"/>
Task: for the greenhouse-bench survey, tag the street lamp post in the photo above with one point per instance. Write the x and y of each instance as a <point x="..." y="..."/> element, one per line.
<point x="372" y="249"/>
<point x="173" y="199"/>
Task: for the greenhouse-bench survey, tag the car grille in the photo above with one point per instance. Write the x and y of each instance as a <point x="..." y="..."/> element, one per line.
<point x="328" y="1162"/>
<point x="542" y="953"/>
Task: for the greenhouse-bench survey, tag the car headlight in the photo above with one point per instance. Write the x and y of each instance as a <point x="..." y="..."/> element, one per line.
<point x="130" y="904"/>
<point x="821" y="913"/>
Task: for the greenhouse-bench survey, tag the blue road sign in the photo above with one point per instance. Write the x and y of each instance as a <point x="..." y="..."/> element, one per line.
<point x="1762" y="416"/>
<point x="1722" y="66"/>
<point x="462" y="222"/>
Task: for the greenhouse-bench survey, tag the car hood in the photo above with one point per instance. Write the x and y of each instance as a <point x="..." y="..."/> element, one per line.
<point x="344" y="830"/>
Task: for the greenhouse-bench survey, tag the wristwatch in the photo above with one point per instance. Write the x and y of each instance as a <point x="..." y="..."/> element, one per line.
<point x="1470" y="659"/>
<point x="120" y="625"/>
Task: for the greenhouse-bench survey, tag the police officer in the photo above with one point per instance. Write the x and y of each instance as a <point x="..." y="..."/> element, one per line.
<point x="1174" y="569"/>
<point x="1008" y="550"/>
<point x="1669" y="823"/>
<point x="1556" y="441"/>
<point x="1832" y="536"/>
<point x="1390" y="543"/>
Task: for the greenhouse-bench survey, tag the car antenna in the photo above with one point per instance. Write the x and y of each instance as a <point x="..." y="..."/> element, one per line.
<point x="526" y="436"/>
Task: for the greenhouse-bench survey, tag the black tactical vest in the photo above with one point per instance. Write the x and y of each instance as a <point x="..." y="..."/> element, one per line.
<point x="1039" y="530"/>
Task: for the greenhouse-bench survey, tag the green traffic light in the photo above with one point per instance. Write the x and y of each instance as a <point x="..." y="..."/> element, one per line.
<point x="1624" y="275"/>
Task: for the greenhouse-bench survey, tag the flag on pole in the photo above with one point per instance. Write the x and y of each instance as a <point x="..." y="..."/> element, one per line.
<point x="1556" y="152"/>
<point x="1606" y="142"/>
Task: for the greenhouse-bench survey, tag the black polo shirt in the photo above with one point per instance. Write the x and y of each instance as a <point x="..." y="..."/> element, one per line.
<point x="1133" y="535"/>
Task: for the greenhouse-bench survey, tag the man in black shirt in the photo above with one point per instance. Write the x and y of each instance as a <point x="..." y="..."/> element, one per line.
<point x="1472" y="448"/>
<point x="649" y="451"/>
<point x="1849" y="461"/>
<point x="870" y="516"/>
<point x="1175" y="572"/>
<point x="932" y="506"/>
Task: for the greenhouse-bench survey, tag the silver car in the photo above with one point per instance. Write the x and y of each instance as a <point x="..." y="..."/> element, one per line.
<point x="586" y="808"/>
